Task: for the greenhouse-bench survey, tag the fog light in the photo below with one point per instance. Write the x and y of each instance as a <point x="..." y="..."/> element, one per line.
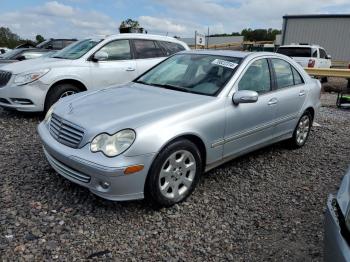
<point x="105" y="184"/>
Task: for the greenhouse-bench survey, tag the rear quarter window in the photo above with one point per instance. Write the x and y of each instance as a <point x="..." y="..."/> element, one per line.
<point x="295" y="51"/>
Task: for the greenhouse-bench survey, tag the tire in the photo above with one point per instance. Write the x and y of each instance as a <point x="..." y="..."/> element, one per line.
<point x="171" y="178"/>
<point x="324" y="79"/>
<point x="57" y="92"/>
<point x="302" y="131"/>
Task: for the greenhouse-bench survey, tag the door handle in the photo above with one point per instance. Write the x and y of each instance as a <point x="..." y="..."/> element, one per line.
<point x="302" y="93"/>
<point x="130" y="69"/>
<point x="272" y="101"/>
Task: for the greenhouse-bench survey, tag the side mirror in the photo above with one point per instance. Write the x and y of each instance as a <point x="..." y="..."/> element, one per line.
<point x="100" y="56"/>
<point x="245" y="96"/>
<point x="328" y="57"/>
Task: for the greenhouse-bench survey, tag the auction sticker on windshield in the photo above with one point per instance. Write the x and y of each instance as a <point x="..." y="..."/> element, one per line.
<point x="224" y="63"/>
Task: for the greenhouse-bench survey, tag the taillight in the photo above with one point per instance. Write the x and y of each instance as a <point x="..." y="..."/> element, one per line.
<point x="311" y="63"/>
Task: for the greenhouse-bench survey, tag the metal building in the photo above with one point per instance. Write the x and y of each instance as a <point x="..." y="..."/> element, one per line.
<point x="329" y="31"/>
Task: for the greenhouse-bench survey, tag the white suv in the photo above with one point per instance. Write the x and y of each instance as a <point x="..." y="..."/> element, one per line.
<point x="88" y="64"/>
<point x="307" y="55"/>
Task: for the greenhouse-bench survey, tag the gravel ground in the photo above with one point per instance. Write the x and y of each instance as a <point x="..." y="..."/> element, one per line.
<point x="267" y="205"/>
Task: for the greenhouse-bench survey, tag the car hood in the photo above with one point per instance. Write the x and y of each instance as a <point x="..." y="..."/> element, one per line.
<point x="35" y="64"/>
<point x="126" y="106"/>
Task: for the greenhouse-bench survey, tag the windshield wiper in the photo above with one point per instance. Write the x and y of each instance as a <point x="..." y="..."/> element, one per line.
<point x="172" y="87"/>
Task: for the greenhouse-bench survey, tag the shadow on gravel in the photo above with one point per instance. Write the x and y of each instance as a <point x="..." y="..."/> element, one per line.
<point x="21" y="115"/>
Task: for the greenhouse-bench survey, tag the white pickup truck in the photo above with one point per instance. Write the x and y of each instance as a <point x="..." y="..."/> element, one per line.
<point x="306" y="55"/>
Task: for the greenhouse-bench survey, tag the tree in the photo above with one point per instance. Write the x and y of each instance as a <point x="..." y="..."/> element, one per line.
<point x="260" y="34"/>
<point x="39" y="39"/>
<point x="7" y="38"/>
<point x="130" y="26"/>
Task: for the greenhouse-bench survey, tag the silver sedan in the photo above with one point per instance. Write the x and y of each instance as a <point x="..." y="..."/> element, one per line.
<point x="154" y="137"/>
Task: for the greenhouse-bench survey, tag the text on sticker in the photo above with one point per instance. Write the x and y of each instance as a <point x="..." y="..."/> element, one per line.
<point x="224" y="63"/>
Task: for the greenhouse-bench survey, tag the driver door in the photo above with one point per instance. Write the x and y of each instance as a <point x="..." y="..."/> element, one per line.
<point x="118" y="68"/>
<point x="249" y="125"/>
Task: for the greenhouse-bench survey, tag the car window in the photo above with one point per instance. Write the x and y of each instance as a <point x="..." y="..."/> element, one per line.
<point x="32" y="55"/>
<point x="117" y="50"/>
<point x="295" y="51"/>
<point x="147" y="49"/>
<point x="67" y="42"/>
<point x="56" y="44"/>
<point x="322" y="53"/>
<point x="77" y="49"/>
<point x="297" y="77"/>
<point x="314" y="54"/>
<point x="193" y="73"/>
<point x="283" y="71"/>
<point x="257" y="77"/>
<point x="170" y="48"/>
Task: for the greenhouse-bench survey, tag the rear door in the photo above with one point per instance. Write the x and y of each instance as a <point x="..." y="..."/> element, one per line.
<point x="290" y="93"/>
<point x="119" y="68"/>
<point x="147" y="54"/>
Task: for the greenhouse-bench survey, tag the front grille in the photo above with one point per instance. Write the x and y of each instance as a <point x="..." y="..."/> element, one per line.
<point x="4" y="77"/>
<point x="66" y="132"/>
<point x="65" y="170"/>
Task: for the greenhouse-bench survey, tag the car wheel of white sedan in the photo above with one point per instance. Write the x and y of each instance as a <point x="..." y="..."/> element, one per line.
<point x="59" y="91"/>
<point x="302" y="130"/>
<point x="174" y="173"/>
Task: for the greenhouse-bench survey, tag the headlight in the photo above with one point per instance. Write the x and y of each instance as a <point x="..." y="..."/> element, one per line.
<point x="49" y="114"/>
<point x="113" y="145"/>
<point x="29" y="77"/>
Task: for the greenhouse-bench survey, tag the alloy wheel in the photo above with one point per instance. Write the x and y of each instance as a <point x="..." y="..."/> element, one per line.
<point x="177" y="174"/>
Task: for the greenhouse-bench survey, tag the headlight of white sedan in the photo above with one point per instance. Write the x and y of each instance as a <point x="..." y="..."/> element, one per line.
<point x="28" y="77"/>
<point x="115" y="144"/>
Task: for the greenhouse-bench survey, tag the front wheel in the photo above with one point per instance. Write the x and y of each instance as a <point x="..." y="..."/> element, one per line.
<point x="59" y="91"/>
<point x="301" y="131"/>
<point x="174" y="173"/>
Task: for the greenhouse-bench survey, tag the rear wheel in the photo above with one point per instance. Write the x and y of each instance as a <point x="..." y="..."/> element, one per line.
<point x="174" y="173"/>
<point x="301" y="131"/>
<point x="59" y="91"/>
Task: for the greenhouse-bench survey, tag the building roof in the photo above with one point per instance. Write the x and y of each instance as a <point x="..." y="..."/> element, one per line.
<point x="317" y="16"/>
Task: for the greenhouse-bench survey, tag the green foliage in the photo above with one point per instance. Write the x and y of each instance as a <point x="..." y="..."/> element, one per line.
<point x="7" y="38"/>
<point x="39" y="39"/>
<point x="260" y="34"/>
<point x="10" y="39"/>
<point x="129" y="26"/>
<point x="255" y="35"/>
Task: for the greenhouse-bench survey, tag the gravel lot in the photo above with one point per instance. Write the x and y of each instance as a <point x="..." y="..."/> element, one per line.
<point x="267" y="205"/>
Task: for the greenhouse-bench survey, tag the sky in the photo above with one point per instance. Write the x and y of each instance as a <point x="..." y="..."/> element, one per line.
<point x="88" y="18"/>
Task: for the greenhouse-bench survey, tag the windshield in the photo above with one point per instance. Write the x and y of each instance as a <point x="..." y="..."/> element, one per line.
<point x="77" y="49"/>
<point x="42" y="43"/>
<point x="10" y="54"/>
<point x="193" y="73"/>
<point x="295" y="51"/>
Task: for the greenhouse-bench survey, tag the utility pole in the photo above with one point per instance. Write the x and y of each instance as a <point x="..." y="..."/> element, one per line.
<point x="208" y="39"/>
<point x="195" y="39"/>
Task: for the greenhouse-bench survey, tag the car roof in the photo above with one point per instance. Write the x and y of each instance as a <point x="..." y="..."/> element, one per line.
<point x="298" y="45"/>
<point x="239" y="54"/>
<point x="140" y="36"/>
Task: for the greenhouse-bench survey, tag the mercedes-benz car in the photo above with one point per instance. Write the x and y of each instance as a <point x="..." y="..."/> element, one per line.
<point x="155" y="136"/>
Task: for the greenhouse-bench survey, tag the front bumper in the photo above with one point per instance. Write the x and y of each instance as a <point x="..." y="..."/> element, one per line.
<point x="336" y="246"/>
<point x="92" y="170"/>
<point x="26" y="98"/>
